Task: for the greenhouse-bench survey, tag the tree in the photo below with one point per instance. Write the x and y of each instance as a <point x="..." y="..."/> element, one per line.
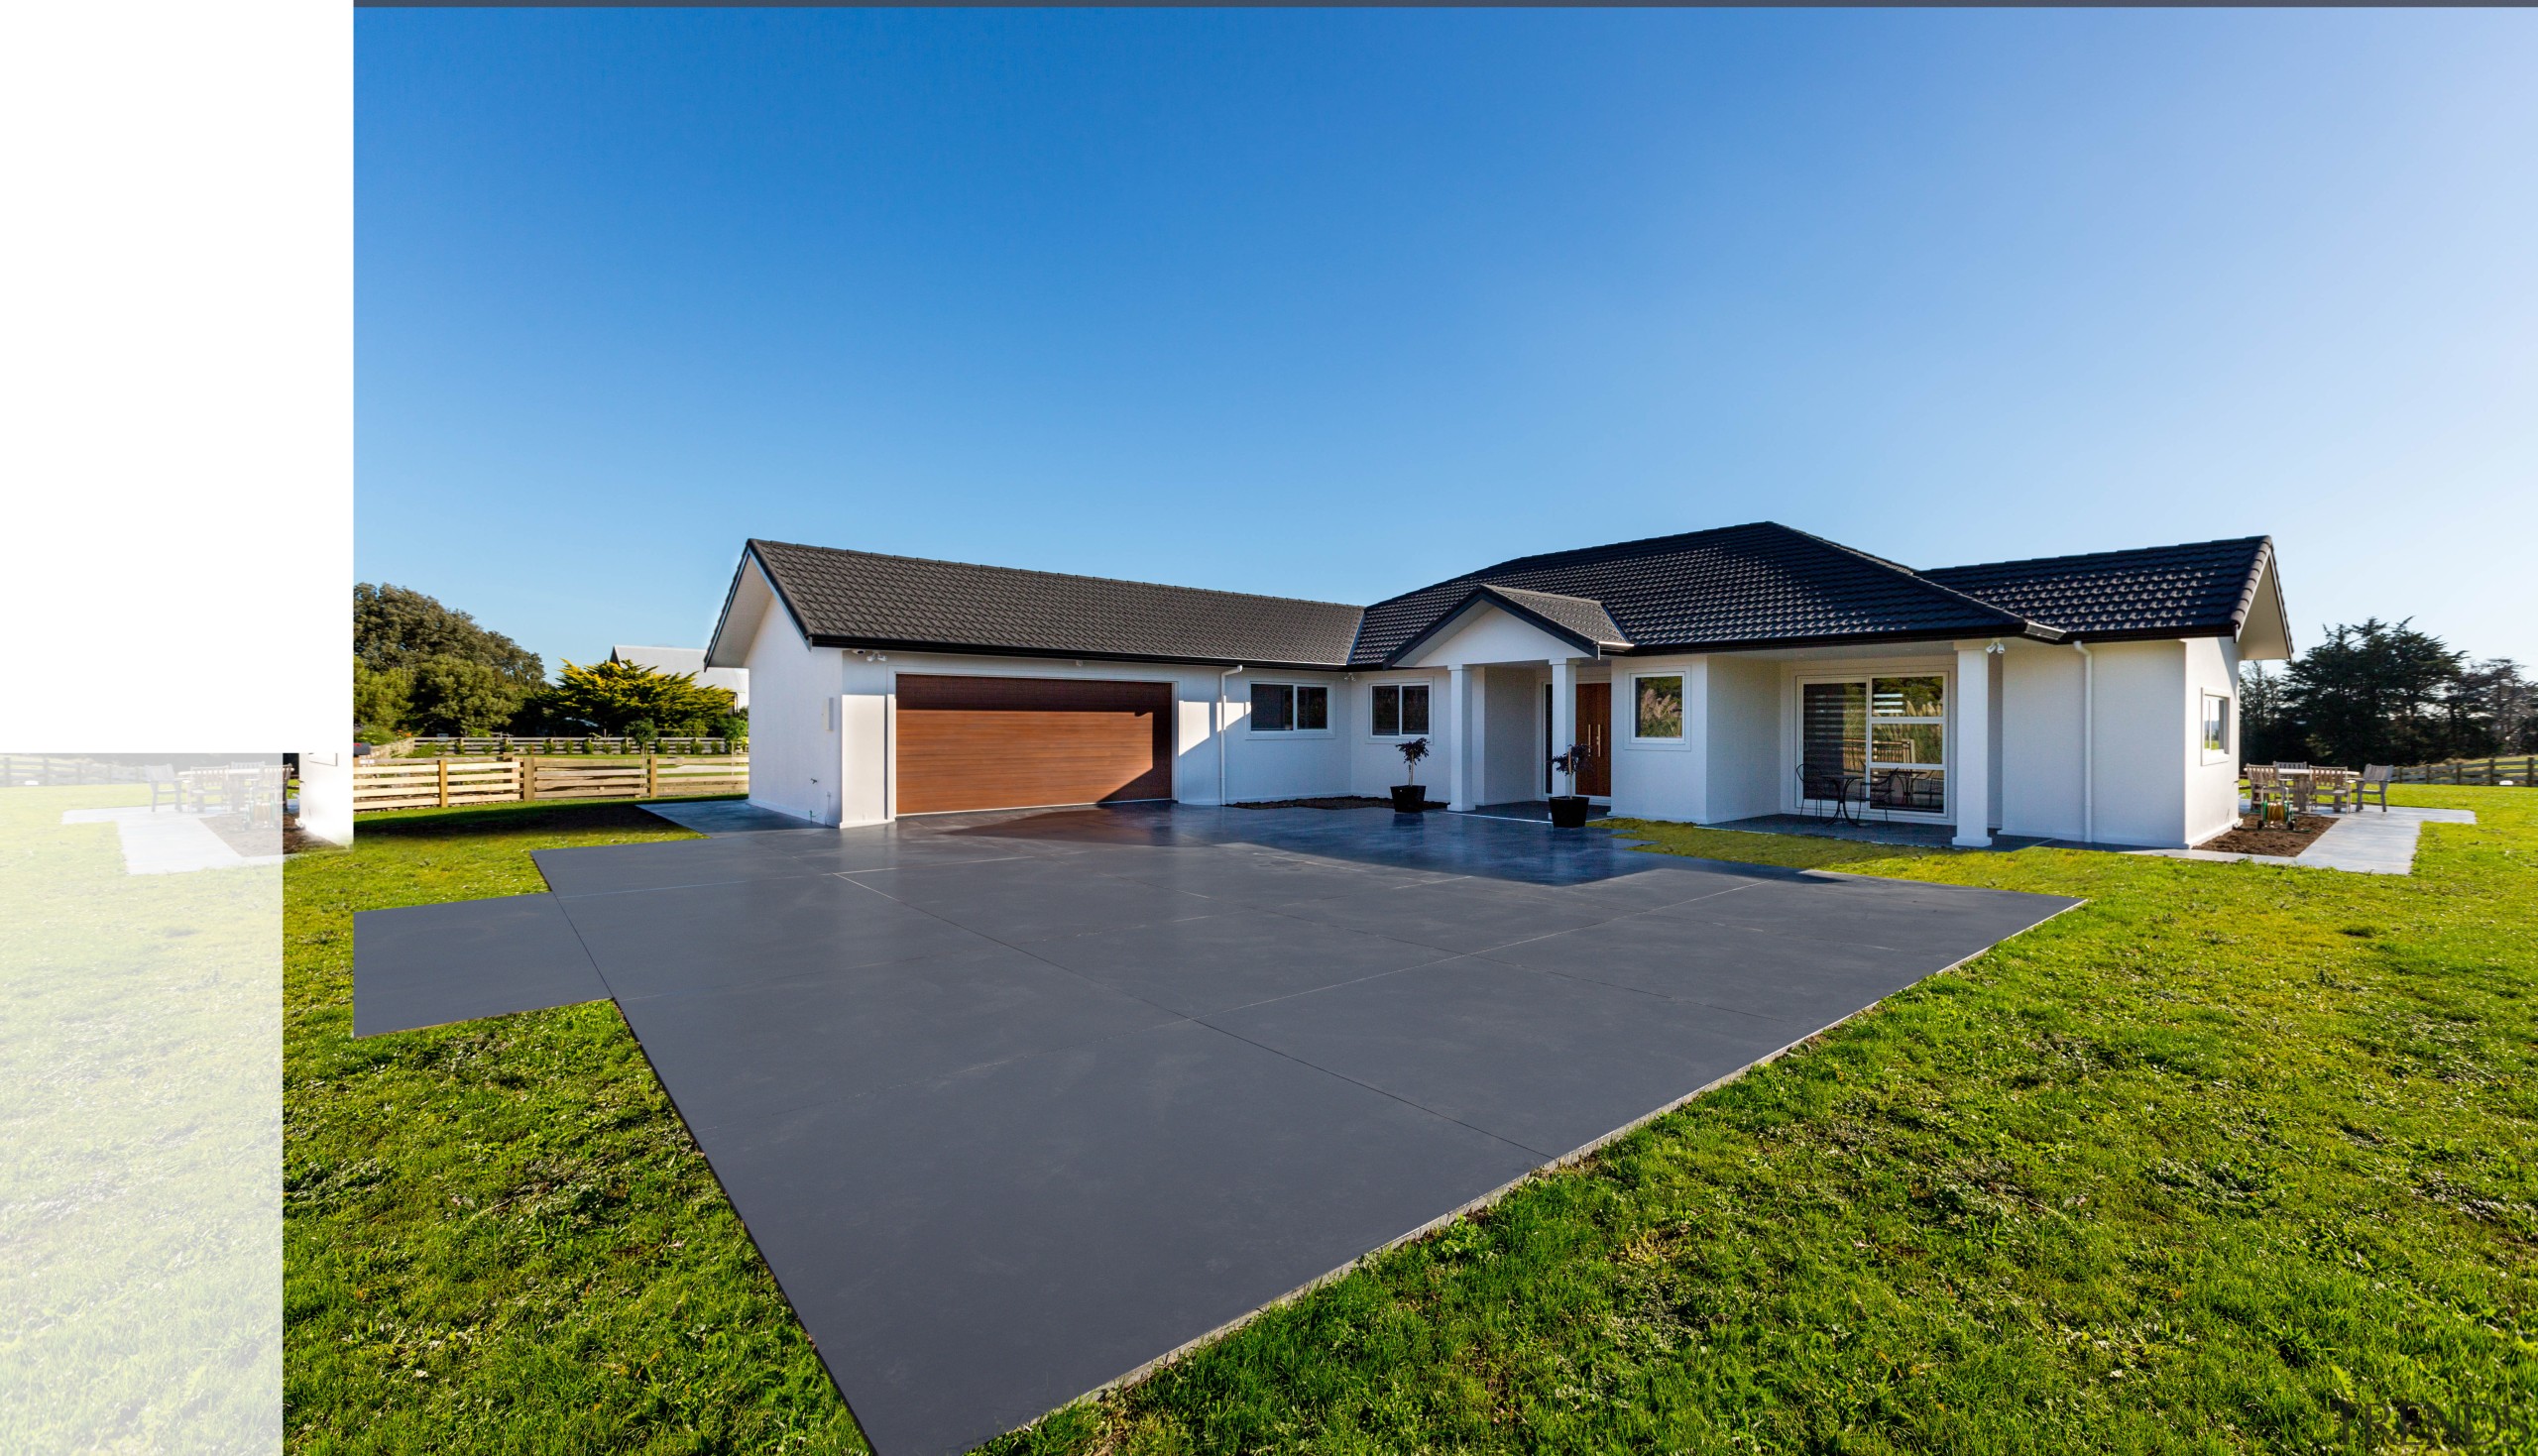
<point x="382" y="700"/>
<point x="2375" y="692"/>
<point x="2268" y="731"/>
<point x="400" y="627"/>
<point x="609" y="697"/>
<point x="453" y="695"/>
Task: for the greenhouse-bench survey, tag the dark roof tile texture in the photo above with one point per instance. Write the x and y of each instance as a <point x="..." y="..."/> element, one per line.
<point x="2202" y="589"/>
<point x="1747" y="584"/>
<point x="849" y="597"/>
<point x="1580" y="615"/>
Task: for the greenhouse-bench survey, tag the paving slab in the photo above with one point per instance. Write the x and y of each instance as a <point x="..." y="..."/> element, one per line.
<point x="1548" y="1063"/>
<point x="972" y="1252"/>
<point x="726" y="817"/>
<point x="719" y="937"/>
<point x="423" y="965"/>
<point x="737" y="1054"/>
<point x="1228" y="960"/>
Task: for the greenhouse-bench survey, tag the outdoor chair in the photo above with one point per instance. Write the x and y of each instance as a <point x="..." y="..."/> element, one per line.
<point x="2374" y="779"/>
<point x="161" y="779"/>
<point x="2332" y="786"/>
<point x="1817" y="786"/>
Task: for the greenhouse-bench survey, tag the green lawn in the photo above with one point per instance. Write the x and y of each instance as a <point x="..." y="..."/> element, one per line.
<point x="2232" y="1157"/>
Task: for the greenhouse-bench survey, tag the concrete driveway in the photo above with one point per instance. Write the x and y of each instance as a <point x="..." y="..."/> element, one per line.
<point x="1015" y="1105"/>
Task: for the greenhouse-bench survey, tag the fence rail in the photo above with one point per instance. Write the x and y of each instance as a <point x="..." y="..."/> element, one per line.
<point x="48" y="769"/>
<point x="513" y="747"/>
<point x="444" y="783"/>
<point x="2514" y="771"/>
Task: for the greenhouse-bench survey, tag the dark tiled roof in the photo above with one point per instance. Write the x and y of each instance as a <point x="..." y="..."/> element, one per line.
<point x="1739" y="586"/>
<point x="1582" y="615"/>
<point x="2203" y="588"/>
<point x="864" y="599"/>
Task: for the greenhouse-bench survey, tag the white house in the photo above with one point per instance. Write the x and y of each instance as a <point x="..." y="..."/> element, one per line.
<point x="2078" y="698"/>
<point x="689" y="660"/>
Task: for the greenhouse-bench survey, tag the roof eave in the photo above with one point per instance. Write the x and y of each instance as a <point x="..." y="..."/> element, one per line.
<point x="2034" y="630"/>
<point x="1086" y="654"/>
<point x="1506" y="604"/>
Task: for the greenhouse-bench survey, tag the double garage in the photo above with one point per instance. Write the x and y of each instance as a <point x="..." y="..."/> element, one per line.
<point x="1007" y="743"/>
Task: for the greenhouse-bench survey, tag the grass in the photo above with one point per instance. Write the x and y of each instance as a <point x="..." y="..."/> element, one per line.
<point x="2234" y="1158"/>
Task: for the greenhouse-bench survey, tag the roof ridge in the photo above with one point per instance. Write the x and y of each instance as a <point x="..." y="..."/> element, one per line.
<point x="1917" y="579"/>
<point x="1071" y="576"/>
<point x="2104" y="555"/>
<point x="1535" y="561"/>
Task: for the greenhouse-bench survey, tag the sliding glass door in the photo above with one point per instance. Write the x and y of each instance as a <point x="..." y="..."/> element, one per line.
<point x="1883" y="736"/>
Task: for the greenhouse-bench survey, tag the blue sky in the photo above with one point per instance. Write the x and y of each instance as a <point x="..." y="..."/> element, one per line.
<point x="1336" y="304"/>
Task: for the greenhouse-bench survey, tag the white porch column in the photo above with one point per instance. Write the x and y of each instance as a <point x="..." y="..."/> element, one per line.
<point x="1563" y="717"/>
<point x="1458" y="766"/>
<point x="1969" y="782"/>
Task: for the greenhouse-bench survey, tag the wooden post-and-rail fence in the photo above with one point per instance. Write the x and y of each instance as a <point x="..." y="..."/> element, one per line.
<point x="2517" y="772"/>
<point x="450" y="783"/>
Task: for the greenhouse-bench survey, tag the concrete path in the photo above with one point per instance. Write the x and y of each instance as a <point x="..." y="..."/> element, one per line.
<point x="2362" y="842"/>
<point x="168" y="842"/>
<point x="2373" y="842"/>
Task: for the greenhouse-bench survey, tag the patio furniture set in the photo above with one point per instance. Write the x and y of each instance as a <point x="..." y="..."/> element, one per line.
<point x="1842" y="795"/>
<point x="2300" y="789"/>
<point x="253" y="789"/>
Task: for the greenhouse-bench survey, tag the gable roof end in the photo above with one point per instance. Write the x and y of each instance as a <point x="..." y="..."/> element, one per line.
<point x="1580" y="622"/>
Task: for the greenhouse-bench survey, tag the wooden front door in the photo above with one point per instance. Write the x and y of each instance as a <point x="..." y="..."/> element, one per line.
<point x="1595" y="735"/>
<point x="984" y="743"/>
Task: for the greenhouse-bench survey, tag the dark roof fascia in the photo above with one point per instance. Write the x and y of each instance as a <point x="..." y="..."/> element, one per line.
<point x="1500" y="600"/>
<point x="2035" y="630"/>
<point x="988" y="649"/>
<point x="2154" y="634"/>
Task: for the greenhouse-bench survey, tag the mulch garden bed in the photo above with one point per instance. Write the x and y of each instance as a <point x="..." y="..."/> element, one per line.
<point x="255" y="843"/>
<point x="2255" y="837"/>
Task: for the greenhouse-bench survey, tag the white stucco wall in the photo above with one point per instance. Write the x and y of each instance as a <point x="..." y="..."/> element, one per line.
<point x="2211" y="779"/>
<point x="1374" y="764"/>
<point x="2039" y="742"/>
<point x="1742" y="753"/>
<point x="794" y="740"/>
<point x="1512" y="741"/>
<point x="2141" y="743"/>
<point x="1661" y="778"/>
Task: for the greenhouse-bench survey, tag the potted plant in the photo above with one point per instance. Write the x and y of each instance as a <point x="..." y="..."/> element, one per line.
<point x="1568" y="811"/>
<point x="1411" y="797"/>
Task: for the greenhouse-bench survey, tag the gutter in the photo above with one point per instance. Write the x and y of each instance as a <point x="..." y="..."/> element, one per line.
<point x="1224" y="727"/>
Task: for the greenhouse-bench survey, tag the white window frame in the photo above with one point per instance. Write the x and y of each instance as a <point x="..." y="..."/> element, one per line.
<point x="1792" y="735"/>
<point x="1423" y="685"/>
<point x="1250" y="720"/>
<point x="2226" y="752"/>
<point x="1627" y="711"/>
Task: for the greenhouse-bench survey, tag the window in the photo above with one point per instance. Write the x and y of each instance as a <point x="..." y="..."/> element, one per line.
<point x="1658" y="711"/>
<point x="1400" y="710"/>
<point x="1886" y="737"/>
<point x="2216" y="723"/>
<point x="1287" y="707"/>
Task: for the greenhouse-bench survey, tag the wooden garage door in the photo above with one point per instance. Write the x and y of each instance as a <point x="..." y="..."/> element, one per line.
<point x="1002" y="742"/>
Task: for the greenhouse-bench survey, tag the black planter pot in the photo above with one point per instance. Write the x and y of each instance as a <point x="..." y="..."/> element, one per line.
<point x="1568" y="811"/>
<point x="1410" y="798"/>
